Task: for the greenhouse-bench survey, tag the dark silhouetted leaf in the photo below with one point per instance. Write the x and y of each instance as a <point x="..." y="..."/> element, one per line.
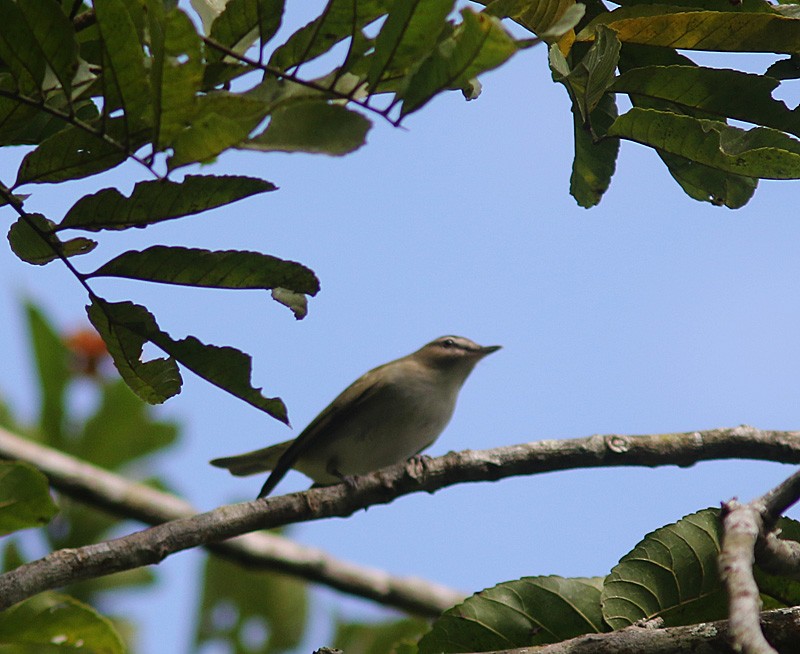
<point x="19" y="49"/>
<point x="225" y="269"/>
<point x="523" y="613"/>
<point x="276" y="603"/>
<point x="32" y="240"/>
<point x="152" y="202"/>
<point x="55" y="622"/>
<point x="595" y="160"/>
<point x="55" y="38"/>
<point x="124" y="327"/>
<point x="312" y="126"/>
<point x="24" y="497"/>
<point x="671" y="574"/>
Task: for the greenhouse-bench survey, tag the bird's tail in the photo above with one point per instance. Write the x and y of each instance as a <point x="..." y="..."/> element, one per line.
<point x="253" y="462"/>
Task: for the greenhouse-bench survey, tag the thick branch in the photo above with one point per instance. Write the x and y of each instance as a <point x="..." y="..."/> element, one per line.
<point x="153" y="545"/>
<point x="121" y="497"/>
<point x="710" y="637"/>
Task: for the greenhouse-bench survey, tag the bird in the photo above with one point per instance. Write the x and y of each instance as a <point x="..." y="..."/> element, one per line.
<point x="388" y="415"/>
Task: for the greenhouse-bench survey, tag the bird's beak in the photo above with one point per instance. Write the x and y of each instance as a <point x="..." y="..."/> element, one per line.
<point x="488" y="349"/>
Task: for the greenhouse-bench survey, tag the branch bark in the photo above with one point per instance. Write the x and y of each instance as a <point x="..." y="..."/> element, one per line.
<point x="152" y="545"/>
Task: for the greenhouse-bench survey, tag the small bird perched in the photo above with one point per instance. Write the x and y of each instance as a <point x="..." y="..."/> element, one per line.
<point x="388" y="415"/>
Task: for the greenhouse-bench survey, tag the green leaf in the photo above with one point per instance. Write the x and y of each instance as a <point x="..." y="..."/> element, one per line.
<point x="595" y="160"/>
<point x="176" y="72"/>
<point x="312" y="126"/>
<point x="759" y="152"/>
<point x="153" y="202"/>
<point x="242" y="21"/>
<point x="225" y="367"/>
<point x="223" y="120"/>
<point x="73" y="153"/>
<point x="24" y="497"/>
<point x="52" y="366"/>
<point x="707" y="184"/>
<point x="124" y="327"/>
<point x="340" y="19"/>
<point x="222" y="269"/>
<point x="297" y="302"/>
<point x="55" y="622"/>
<point x="689" y="29"/>
<point x="55" y="38"/>
<point x="236" y="600"/>
<point x="32" y="240"/>
<point x="377" y="637"/>
<point x="524" y="613"/>
<point x="590" y="79"/>
<point x="124" y="62"/>
<point x="724" y="93"/>
<point x="671" y="574"/>
<point x="19" y="49"/>
<point x="537" y="16"/>
<point x="409" y="34"/>
<point x="122" y="430"/>
<point x="478" y="44"/>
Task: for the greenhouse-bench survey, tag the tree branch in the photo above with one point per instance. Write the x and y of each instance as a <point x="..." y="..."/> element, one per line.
<point x="121" y="497"/>
<point x="708" y="637"/>
<point x="156" y="543"/>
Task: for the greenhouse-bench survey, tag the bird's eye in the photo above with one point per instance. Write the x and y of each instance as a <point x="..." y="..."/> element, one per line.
<point x="448" y="342"/>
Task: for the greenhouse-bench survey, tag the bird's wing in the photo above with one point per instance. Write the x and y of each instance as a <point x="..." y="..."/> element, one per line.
<point x="328" y="423"/>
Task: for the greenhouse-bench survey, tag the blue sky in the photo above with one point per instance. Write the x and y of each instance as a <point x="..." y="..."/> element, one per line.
<point x="650" y="313"/>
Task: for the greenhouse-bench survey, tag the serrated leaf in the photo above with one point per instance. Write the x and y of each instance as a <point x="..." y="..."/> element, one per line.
<point x="52" y="367"/>
<point x="58" y="622"/>
<point x="407" y="36"/>
<point x="73" y="153"/>
<point x="153" y="202"/>
<point x="232" y="269"/>
<point x="671" y="574"/>
<point x="523" y="613"/>
<point x="595" y="161"/>
<point x="32" y="240"/>
<point x="124" y="327"/>
<point x="726" y="93"/>
<point x="244" y="21"/>
<point x="689" y="29"/>
<point x="312" y="126"/>
<point x="478" y="44"/>
<point x="340" y="20"/>
<point x="377" y="637"/>
<point x="176" y="72"/>
<point x="761" y="152"/>
<point x="24" y="497"/>
<point x="121" y="430"/>
<point x="276" y="603"/>
<point x="124" y="60"/>
<point x="55" y="38"/>
<point x="225" y="367"/>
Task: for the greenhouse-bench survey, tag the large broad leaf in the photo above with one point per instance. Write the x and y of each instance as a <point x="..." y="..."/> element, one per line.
<point x="243" y="21"/>
<point x="480" y="43"/>
<point x="708" y="184"/>
<point x="725" y="93"/>
<point x="689" y="29"/>
<point x="524" y="613"/>
<point x="32" y="240"/>
<point x="238" y="603"/>
<point x="595" y="160"/>
<point x="671" y="574"/>
<point x="125" y="67"/>
<point x="224" y="269"/>
<point x="24" y="497"/>
<point x="760" y="152"/>
<point x="153" y="202"/>
<point x="538" y="16"/>
<point x="341" y="19"/>
<point x="408" y="35"/>
<point x="51" y="623"/>
<point x="19" y="49"/>
<point x="74" y="153"/>
<point x="312" y="126"/>
<point x="176" y="73"/>
<point x="124" y="327"/>
<point x="52" y="367"/>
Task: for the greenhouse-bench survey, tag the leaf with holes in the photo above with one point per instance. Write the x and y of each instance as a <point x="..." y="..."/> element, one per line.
<point x="671" y="574"/>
